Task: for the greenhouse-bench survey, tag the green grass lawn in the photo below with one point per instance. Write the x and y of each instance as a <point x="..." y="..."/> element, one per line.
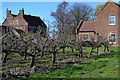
<point x="102" y="66"/>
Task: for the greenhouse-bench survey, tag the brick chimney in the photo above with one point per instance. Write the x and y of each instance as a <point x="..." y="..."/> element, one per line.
<point x="8" y="12"/>
<point x="21" y="12"/>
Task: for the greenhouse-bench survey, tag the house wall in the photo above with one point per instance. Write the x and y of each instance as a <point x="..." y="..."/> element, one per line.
<point x="119" y="26"/>
<point x="22" y="24"/>
<point x="101" y="21"/>
<point x="79" y="35"/>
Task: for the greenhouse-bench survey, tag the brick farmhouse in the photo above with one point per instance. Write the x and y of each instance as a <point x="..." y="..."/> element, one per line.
<point x="106" y="25"/>
<point x="27" y="23"/>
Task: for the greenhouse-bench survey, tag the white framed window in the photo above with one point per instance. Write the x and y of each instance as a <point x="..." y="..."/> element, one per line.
<point x="112" y="20"/>
<point x="85" y="37"/>
<point x="112" y="37"/>
<point x="12" y="22"/>
<point x="16" y="22"/>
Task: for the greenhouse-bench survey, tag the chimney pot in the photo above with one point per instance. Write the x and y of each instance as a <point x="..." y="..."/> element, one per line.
<point x="8" y="12"/>
<point x="21" y="12"/>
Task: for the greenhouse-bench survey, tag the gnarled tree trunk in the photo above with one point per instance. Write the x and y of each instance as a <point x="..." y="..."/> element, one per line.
<point x="63" y="50"/>
<point x="6" y="55"/>
<point x="72" y="50"/>
<point x="97" y="50"/>
<point x="53" y="57"/>
<point x="25" y="57"/>
<point x="32" y="61"/>
<point x="91" y="51"/>
<point x="80" y="54"/>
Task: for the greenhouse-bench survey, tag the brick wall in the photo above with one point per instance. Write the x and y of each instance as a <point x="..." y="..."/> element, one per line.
<point x="101" y="21"/>
<point x="22" y="24"/>
<point x="91" y="35"/>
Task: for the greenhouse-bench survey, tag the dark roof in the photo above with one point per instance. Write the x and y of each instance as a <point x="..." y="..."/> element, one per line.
<point x="117" y="4"/>
<point x="0" y="28"/>
<point x="13" y="15"/>
<point x="87" y="26"/>
<point x="34" y="21"/>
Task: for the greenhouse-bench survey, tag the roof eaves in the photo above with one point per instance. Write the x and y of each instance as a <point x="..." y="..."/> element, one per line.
<point x="86" y="31"/>
<point x="101" y="9"/>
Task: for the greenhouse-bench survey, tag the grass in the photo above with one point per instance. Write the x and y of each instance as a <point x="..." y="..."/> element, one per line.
<point x="100" y="49"/>
<point x="67" y="50"/>
<point x="59" y="59"/>
<point x="102" y="66"/>
<point x="43" y="60"/>
<point x="16" y="65"/>
<point x="76" y="54"/>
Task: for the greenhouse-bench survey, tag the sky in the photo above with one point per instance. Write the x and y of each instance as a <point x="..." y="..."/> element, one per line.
<point x="41" y="9"/>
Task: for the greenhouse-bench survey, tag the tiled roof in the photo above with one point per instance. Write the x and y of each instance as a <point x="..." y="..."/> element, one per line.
<point x="34" y="21"/>
<point x="87" y="26"/>
<point x="13" y="15"/>
<point x="117" y="4"/>
<point x="104" y="6"/>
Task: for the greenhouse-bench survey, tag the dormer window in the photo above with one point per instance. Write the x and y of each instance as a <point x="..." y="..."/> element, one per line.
<point x="12" y="22"/>
<point x="16" y="22"/>
<point x="112" y="20"/>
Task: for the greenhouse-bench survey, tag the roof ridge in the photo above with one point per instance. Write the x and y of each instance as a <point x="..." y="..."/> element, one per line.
<point x="105" y="5"/>
<point x="13" y="14"/>
<point x="117" y="4"/>
<point x="30" y="15"/>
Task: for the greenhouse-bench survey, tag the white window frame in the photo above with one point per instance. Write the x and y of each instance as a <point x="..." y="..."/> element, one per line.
<point x="114" y="19"/>
<point x="109" y="38"/>
<point x="88" y="37"/>
<point x="16" y="21"/>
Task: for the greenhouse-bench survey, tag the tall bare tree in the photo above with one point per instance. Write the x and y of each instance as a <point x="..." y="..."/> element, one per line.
<point x="69" y="16"/>
<point x="61" y="16"/>
<point x="78" y="12"/>
<point x="81" y="11"/>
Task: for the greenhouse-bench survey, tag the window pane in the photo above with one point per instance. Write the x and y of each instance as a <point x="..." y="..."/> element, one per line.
<point x="112" y="37"/>
<point x="12" y="22"/>
<point x="112" y="20"/>
<point x="85" y="36"/>
<point x="16" y="21"/>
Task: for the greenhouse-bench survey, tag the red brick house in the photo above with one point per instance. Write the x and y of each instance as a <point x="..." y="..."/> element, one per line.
<point x="27" y="23"/>
<point x="106" y="24"/>
<point x="86" y="30"/>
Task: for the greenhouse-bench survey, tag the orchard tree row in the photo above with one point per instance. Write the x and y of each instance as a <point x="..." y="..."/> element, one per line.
<point x="38" y="44"/>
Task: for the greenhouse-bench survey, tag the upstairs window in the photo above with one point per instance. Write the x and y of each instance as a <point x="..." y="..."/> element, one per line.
<point x="85" y="37"/>
<point x="112" y="37"/>
<point x="16" y="22"/>
<point x="12" y="22"/>
<point x="112" y="20"/>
